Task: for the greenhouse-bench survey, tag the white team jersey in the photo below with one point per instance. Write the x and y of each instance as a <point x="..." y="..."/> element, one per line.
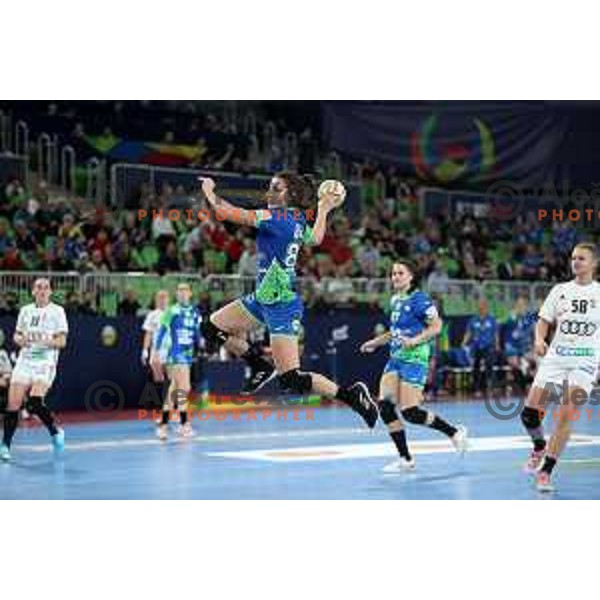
<point x="575" y="310"/>
<point x="152" y="320"/>
<point x="39" y="325"/>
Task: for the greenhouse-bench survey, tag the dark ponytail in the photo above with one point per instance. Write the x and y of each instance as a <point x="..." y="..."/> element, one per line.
<point x="301" y="189"/>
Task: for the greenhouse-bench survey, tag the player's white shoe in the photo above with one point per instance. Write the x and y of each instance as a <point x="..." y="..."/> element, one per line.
<point x="185" y="431"/>
<point x="162" y="432"/>
<point x="460" y="439"/>
<point x="401" y="465"/>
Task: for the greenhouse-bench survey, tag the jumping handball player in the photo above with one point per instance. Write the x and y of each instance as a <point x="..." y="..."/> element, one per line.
<point x="572" y="359"/>
<point x="414" y="323"/>
<point x="282" y="230"/>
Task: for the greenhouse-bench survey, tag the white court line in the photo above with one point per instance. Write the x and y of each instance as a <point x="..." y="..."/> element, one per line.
<point x="130" y="442"/>
<point x="366" y="450"/>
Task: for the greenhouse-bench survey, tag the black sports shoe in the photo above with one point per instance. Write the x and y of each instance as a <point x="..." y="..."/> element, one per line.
<point x="363" y="404"/>
<point x="257" y="380"/>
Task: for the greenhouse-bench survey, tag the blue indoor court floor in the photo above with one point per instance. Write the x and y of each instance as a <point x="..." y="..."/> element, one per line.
<point x="328" y="457"/>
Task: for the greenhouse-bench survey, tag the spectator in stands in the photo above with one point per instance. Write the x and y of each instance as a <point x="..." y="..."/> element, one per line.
<point x="438" y="281"/>
<point x="121" y="259"/>
<point x="97" y="262"/>
<point x="129" y="306"/>
<point x="12" y="260"/>
<point x="481" y="338"/>
<point x="368" y="258"/>
<point x="248" y="263"/>
<point x="169" y="260"/>
<point x="6" y="238"/>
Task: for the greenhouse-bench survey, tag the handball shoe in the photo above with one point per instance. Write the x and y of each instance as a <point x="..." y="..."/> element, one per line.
<point x="364" y="404"/>
<point x="534" y="462"/>
<point x="402" y="465"/>
<point x="543" y="483"/>
<point x="58" y="441"/>
<point x="4" y="453"/>
<point x="162" y="432"/>
<point x="460" y="440"/>
<point x="185" y="431"/>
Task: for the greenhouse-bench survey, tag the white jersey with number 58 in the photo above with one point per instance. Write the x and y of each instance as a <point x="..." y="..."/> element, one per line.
<point x="575" y="310"/>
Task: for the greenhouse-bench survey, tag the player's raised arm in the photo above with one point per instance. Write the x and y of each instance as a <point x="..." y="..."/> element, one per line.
<point x="327" y="203"/>
<point x="224" y="209"/>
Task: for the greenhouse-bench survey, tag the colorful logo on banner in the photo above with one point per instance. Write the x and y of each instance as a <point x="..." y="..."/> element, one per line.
<point x="470" y="155"/>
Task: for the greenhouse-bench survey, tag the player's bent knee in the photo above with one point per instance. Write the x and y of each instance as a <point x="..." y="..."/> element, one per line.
<point x="415" y="415"/>
<point x="295" y="381"/>
<point x="531" y="418"/>
<point x="213" y="335"/>
<point x="33" y="404"/>
<point x="388" y="412"/>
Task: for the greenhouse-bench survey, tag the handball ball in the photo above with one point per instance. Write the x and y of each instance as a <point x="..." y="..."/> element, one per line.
<point x="332" y="186"/>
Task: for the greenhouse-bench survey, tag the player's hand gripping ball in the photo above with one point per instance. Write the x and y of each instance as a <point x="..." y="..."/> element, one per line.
<point x="333" y="189"/>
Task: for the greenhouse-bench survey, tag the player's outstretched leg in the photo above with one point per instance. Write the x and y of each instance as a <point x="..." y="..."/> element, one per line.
<point x="410" y="400"/>
<point x="356" y="396"/>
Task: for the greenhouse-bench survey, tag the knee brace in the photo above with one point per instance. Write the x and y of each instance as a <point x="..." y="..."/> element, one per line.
<point x="416" y="415"/>
<point x="295" y="381"/>
<point x="33" y="405"/>
<point x="387" y="411"/>
<point x="213" y="336"/>
<point x="530" y="417"/>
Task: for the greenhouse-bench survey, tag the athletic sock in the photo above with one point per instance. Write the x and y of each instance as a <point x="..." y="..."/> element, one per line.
<point x="399" y="439"/>
<point x="549" y="464"/>
<point x="346" y="396"/>
<point x="166" y="414"/>
<point x="11" y="422"/>
<point x="440" y="425"/>
<point x="36" y="407"/>
<point x="183" y="416"/>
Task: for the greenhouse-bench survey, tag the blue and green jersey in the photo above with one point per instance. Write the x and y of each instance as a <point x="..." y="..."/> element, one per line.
<point x="410" y="314"/>
<point x="281" y="233"/>
<point x="178" y="335"/>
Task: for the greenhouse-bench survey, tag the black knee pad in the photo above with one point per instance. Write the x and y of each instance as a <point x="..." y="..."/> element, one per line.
<point x="415" y="414"/>
<point x="33" y="404"/>
<point x="530" y="417"/>
<point x="387" y="411"/>
<point x="213" y="336"/>
<point x="295" y="381"/>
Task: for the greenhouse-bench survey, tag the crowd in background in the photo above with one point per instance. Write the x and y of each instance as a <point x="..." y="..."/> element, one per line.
<point x="41" y="230"/>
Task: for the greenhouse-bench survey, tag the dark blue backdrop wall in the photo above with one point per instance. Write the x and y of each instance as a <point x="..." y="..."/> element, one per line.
<point x="332" y="342"/>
